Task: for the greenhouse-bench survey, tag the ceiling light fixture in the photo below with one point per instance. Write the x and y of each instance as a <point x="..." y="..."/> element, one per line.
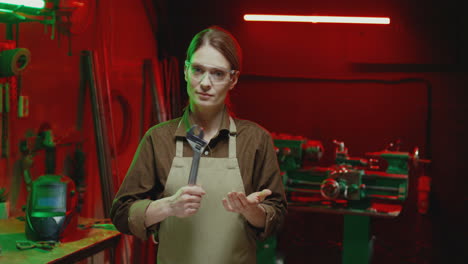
<point x="318" y="19"/>
<point x="26" y="3"/>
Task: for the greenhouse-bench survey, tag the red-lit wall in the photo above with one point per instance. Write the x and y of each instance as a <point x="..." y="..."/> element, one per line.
<point x="52" y="83"/>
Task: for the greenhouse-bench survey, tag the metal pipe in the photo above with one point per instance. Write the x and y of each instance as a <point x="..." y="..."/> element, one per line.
<point x="302" y="190"/>
<point x="102" y="147"/>
<point x="379" y="188"/>
<point x="291" y="181"/>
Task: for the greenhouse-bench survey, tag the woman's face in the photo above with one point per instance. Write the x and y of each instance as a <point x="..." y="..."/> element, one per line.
<point x="209" y="78"/>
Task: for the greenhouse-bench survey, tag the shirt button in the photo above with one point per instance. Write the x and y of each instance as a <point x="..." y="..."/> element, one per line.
<point x="206" y="152"/>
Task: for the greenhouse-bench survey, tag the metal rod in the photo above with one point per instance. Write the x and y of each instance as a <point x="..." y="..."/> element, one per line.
<point x="385" y="197"/>
<point x="379" y="188"/>
<point x="143" y="100"/>
<point x="6" y="122"/>
<point x="102" y="146"/>
<point x="81" y="93"/>
<point x="9" y="31"/>
<point x="301" y="190"/>
<point x="304" y="182"/>
<point x="375" y="188"/>
<point x="154" y="94"/>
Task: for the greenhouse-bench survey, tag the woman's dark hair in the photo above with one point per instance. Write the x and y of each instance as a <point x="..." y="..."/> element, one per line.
<point x="221" y="40"/>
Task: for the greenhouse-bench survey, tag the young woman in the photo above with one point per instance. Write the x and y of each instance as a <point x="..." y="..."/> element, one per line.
<point x="239" y="196"/>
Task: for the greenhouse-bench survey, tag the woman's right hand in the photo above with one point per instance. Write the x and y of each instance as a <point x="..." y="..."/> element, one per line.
<point x="186" y="201"/>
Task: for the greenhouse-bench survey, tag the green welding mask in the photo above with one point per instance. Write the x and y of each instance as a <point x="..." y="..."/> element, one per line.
<point x="51" y="205"/>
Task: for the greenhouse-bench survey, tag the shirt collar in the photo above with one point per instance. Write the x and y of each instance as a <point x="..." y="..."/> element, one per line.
<point x="186" y="123"/>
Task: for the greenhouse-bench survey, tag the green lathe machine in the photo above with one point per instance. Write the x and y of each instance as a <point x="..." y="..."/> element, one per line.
<point x="358" y="188"/>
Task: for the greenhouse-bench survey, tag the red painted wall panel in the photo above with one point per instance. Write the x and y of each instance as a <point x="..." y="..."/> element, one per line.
<point x="52" y="80"/>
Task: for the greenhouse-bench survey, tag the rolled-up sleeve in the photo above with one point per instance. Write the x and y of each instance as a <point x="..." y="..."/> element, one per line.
<point x="267" y="175"/>
<point x="137" y="217"/>
<point x="139" y="188"/>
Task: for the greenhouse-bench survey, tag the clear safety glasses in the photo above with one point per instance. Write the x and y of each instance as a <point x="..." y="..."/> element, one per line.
<point x="218" y="75"/>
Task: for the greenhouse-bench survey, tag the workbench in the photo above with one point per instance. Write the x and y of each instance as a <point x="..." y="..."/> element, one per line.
<point x="84" y="243"/>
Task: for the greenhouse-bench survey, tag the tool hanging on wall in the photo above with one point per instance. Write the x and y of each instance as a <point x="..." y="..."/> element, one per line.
<point x="152" y="81"/>
<point x="171" y="76"/>
<point x="13" y="61"/>
<point x="88" y="79"/>
<point x="5" y="112"/>
<point x="56" y="14"/>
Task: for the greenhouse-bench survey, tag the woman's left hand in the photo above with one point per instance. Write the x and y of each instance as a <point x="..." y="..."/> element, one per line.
<point x="237" y="202"/>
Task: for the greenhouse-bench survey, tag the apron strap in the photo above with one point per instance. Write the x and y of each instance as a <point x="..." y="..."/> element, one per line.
<point x="232" y="141"/>
<point x="179" y="145"/>
<point x="232" y="138"/>
<point x="179" y="148"/>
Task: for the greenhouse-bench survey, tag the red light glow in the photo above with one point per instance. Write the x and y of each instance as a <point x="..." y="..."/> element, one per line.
<point x="318" y="19"/>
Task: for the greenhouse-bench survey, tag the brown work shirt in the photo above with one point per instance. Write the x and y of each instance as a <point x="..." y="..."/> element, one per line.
<point x="147" y="175"/>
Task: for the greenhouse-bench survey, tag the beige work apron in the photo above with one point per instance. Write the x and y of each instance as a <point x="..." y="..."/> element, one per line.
<point x="213" y="235"/>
